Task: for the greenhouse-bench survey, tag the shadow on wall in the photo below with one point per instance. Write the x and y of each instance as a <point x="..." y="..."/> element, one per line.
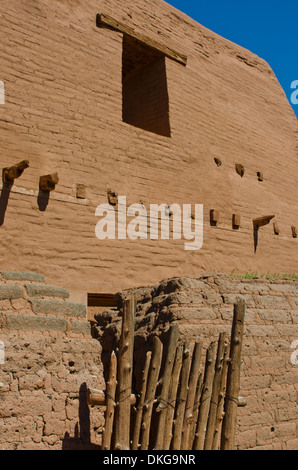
<point x="82" y="437"/>
<point x="5" y="193"/>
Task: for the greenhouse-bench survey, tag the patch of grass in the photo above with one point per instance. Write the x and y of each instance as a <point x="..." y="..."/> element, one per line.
<point x="268" y="275"/>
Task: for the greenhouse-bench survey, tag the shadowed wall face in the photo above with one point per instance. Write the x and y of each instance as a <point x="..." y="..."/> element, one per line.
<point x="145" y="100"/>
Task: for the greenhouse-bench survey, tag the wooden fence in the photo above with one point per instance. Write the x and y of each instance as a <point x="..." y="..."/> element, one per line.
<point x="184" y="403"/>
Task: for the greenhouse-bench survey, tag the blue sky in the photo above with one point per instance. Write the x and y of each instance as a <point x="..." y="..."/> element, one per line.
<point x="267" y="28"/>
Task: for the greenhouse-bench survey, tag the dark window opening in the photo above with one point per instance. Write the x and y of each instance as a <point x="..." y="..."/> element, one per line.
<point x="145" y="99"/>
<point x="101" y="300"/>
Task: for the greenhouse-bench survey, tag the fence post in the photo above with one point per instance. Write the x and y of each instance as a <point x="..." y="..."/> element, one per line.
<point x="233" y="378"/>
<point x="125" y="365"/>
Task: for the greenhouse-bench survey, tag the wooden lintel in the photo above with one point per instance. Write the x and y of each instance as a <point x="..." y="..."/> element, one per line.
<point x="106" y="20"/>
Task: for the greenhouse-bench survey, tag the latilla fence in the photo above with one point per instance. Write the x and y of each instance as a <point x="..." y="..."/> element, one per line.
<point x="185" y="402"/>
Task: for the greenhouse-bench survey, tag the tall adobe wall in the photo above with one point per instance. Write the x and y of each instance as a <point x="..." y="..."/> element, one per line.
<point x="66" y="111"/>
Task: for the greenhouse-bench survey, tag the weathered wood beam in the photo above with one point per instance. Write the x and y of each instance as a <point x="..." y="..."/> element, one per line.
<point x="48" y="182"/>
<point x="260" y="221"/>
<point x="106" y="20"/>
<point x="14" y="172"/>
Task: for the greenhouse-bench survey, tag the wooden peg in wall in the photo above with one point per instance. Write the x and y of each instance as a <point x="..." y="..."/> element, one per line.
<point x="14" y="172"/>
<point x="240" y="169"/>
<point x="214" y="217"/>
<point x="112" y="197"/>
<point x="276" y="229"/>
<point x="236" y="220"/>
<point x="48" y="182"/>
<point x="80" y="191"/>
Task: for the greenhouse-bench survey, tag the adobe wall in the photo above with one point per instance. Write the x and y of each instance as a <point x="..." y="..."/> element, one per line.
<point x="203" y="307"/>
<point x="63" y="112"/>
<point x="50" y="359"/>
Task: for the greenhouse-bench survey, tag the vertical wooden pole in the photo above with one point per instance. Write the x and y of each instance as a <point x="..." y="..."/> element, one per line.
<point x="195" y="412"/>
<point x="140" y="404"/>
<point x="110" y="404"/>
<point x="151" y="390"/>
<point x="125" y="364"/>
<point x="189" y="408"/>
<point x="165" y="385"/>
<point x="233" y="379"/>
<point x="205" y="397"/>
<point x="181" y="398"/>
<point x="221" y="399"/>
<point x="215" y="393"/>
<point x="168" y="431"/>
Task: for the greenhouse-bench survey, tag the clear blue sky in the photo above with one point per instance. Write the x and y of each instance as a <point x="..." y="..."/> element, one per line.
<point x="267" y="28"/>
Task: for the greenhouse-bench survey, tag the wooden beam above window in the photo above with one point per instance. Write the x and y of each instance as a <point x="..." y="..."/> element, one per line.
<point x="106" y="20"/>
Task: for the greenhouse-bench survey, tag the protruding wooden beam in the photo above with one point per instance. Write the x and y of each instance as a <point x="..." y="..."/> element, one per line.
<point x="260" y="221"/>
<point x="48" y="182"/>
<point x="106" y="20"/>
<point x="14" y="172"/>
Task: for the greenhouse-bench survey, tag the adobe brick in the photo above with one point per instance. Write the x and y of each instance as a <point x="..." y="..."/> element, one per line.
<point x="22" y="276"/>
<point x="10" y="291"/>
<point x="16" y="321"/>
<point x="37" y="290"/>
<point x="58" y="307"/>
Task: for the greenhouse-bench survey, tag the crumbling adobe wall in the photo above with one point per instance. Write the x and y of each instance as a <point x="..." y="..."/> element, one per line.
<point x="50" y="359"/>
<point x="203" y="307"/>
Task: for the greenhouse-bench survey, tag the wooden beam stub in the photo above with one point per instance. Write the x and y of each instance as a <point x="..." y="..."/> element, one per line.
<point x="260" y="221"/>
<point x="48" y="182"/>
<point x="105" y="20"/>
<point x="14" y="172"/>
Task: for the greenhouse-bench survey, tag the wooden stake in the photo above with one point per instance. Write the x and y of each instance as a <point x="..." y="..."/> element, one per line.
<point x="189" y="408"/>
<point x="138" y="419"/>
<point x="221" y="399"/>
<point x="205" y="397"/>
<point x="110" y="409"/>
<point x="195" y="411"/>
<point x="215" y="393"/>
<point x="172" y="397"/>
<point x="125" y="363"/>
<point x="150" y="393"/>
<point x="233" y="379"/>
<point x="166" y="380"/>
<point x="181" y="398"/>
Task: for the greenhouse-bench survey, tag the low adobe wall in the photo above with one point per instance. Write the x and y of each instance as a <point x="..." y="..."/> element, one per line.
<point x="50" y="359"/>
